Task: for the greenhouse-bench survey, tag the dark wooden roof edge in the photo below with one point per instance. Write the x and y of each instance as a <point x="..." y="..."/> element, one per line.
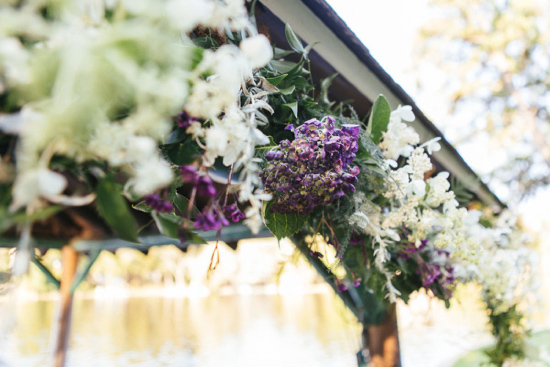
<point x="331" y="19"/>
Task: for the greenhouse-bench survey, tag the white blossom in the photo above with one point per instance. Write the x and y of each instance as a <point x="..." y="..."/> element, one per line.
<point x="359" y="220"/>
<point x="439" y="191"/>
<point x="416" y="188"/>
<point x="149" y="176"/>
<point x="432" y="145"/>
<point x="31" y="185"/>
<point x="399" y="138"/>
<point x="402" y="113"/>
<point x="419" y="163"/>
<point x="257" y="50"/>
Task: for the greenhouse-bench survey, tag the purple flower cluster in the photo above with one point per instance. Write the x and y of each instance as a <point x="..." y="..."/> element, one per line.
<point x="210" y="219"/>
<point x="156" y="203"/>
<point x="432" y="267"/>
<point x="203" y="183"/>
<point x="433" y="274"/>
<point x="314" y="169"/>
<point x="341" y="287"/>
<point x="411" y="248"/>
<point x="213" y="216"/>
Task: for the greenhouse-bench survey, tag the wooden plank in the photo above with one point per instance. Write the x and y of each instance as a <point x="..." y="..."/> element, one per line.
<point x="69" y="260"/>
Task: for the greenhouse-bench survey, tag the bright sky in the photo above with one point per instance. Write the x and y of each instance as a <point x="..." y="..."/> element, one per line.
<point x="388" y="29"/>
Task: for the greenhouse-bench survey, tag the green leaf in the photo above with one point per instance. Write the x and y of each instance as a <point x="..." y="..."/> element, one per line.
<point x="113" y="208"/>
<point x="276" y="80"/>
<point x="293" y="106"/>
<point x="309" y="104"/>
<point x="192" y="237"/>
<point x="287" y="91"/>
<point x="168" y="224"/>
<point x="205" y="42"/>
<point x="196" y="57"/>
<point x="293" y="40"/>
<point x="142" y="207"/>
<point x="176" y="136"/>
<point x="182" y="203"/>
<point x="271" y="144"/>
<point x="310" y="46"/>
<point x="279" y="53"/>
<point x="283" y="225"/>
<point x="298" y="69"/>
<point x="181" y="153"/>
<point x="283" y="66"/>
<point x="325" y="84"/>
<point x="379" y="118"/>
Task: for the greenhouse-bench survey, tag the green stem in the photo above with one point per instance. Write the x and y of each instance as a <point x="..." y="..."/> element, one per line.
<point x="93" y="257"/>
<point x="49" y="276"/>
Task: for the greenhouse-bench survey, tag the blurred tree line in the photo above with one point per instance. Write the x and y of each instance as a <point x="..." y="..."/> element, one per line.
<point x="494" y="56"/>
<point x="161" y="266"/>
<point x="258" y="262"/>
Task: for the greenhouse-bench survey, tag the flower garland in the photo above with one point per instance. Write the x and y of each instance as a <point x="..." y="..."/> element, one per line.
<point x="146" y="100"/>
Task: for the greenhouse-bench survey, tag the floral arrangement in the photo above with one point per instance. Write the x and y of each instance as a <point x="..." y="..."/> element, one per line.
<point x="312" y="170"/>
<point x="92" y="90"/>
<point x="150" y="103"/>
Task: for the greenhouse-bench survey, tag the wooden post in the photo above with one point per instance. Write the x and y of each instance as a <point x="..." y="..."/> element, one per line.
<point x="382" y="342"/>
<point x="69" y="260"/>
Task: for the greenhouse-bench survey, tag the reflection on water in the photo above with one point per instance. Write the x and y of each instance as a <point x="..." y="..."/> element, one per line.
<point x="290" y="330"/>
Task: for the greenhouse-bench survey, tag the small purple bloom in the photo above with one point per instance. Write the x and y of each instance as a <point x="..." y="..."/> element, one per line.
<point x="351" y="129"/>
<point x="274" y="155"/>
<point x="182" y="236"/>
<point x="206" y="222"/>
<point x="156" y="203"/>
<point x="210" y="219"/>
<point x="188" y="173"/>
<point x="356" y="239"/>
<point x="284" y="143"/>
<point x="429" y="274"/>
<point x="342" y="287"/>
<point x="357" y="283"/>
<point x="233" y="212"/>
<point x="206" y="187"/>
<point x="184" y="120"/>
<point x="349" y="188"/>
<point x="354" y="170"/>
<point x="316" y="254"/>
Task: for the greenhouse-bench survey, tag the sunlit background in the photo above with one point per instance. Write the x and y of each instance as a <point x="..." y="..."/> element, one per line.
<point x="264" y="305"/>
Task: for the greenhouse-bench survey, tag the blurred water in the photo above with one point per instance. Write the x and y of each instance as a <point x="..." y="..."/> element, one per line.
<point x="271" y="330"/>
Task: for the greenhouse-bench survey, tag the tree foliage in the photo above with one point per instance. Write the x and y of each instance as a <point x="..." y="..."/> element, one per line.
<point x="494" y="55"/>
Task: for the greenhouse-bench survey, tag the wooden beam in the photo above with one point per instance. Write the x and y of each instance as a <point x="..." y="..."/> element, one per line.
<point x="69" y="260"/>
<point x="381" y="342"/>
